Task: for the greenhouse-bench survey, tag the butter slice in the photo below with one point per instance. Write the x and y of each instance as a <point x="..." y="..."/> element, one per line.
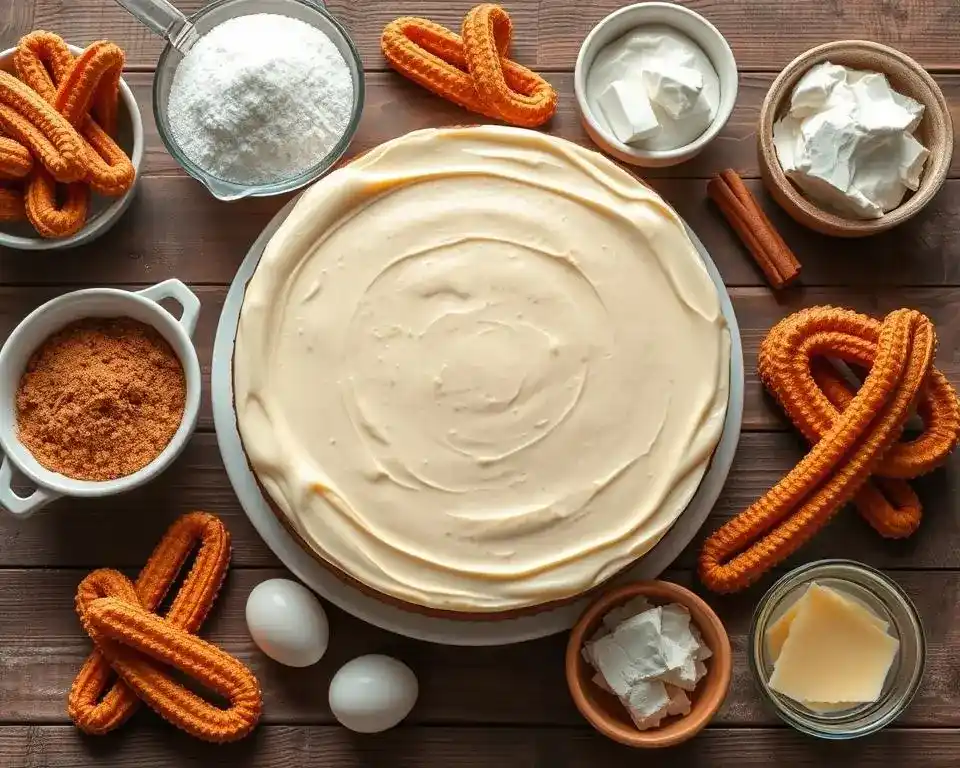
<point x="628" y="111"/>
<point x="833" y="652"/>
<point x="777" y="632"/>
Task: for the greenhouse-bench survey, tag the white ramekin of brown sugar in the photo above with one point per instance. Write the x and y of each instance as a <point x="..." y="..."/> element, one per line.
<point x="95" y="305"/>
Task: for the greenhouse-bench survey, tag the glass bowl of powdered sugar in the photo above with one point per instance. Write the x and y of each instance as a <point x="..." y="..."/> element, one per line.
<point x="254" y="97"/>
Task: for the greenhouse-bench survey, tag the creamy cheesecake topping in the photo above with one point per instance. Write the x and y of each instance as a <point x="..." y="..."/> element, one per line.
<point x="481" y="369"/>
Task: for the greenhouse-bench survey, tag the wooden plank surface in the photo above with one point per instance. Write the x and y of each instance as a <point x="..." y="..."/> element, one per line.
<point x="523" y="684"/>
<point x="175" y="229"/>
<point x="498" y="706"/>
<point x="757" y="309"/>
<point x="763" y="35"/>
<point x="149" y="745"/>
<point x="394" y="106"/>
<point x="88" y="533"/>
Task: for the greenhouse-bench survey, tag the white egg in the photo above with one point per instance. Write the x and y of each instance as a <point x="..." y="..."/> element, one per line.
<point x="287" y="622"/>
<point x="373" y="693"/>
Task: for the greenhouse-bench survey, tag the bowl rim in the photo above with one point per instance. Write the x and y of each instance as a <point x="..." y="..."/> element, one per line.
<point x="109" y="216"/>
<point x="228" y="190"/>
<point x="659" y="156"/>
<point x="161" y="319"/>
<point x="795" y="580"/>
<point x="707" y="621"/>
<point x="790" y="197"/>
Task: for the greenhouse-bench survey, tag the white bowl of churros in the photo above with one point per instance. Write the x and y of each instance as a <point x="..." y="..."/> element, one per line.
<point x="71" y="142"/>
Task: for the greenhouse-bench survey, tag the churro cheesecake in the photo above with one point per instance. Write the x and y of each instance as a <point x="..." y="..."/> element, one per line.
<point x="480" y="370"/>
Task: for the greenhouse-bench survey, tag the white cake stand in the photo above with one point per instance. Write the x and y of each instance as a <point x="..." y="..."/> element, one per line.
<point x="408" y="623"/>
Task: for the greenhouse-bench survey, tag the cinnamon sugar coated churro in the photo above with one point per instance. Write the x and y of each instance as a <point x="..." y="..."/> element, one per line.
<point x="854" y="434"/>
<point x="11" y="204"/>
<point x="97" y="69"/>
<point x="471" y="69"/>
<point x="46" y="109"/>
<point x="45" y="63"/>
<point x="138" y="646"/>
<point x="49" y="217"/>
<point x="15" y="159"/>
<point x="26" y="117"/>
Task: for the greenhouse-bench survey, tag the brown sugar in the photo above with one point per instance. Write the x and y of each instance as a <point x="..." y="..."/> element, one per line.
<point x="101" y="398"/>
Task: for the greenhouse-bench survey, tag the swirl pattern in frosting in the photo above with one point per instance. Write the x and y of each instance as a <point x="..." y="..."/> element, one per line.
<point x="480" y="369"/>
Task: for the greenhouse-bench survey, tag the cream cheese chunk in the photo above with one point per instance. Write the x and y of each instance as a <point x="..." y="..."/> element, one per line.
<point x="682" y="86"/>
<point x="847" y="141"/>
<point x="833" y="652"/>
<point x="628" y="110"/>
<point x="480" y="369"/>
<point x="649" y="660"/>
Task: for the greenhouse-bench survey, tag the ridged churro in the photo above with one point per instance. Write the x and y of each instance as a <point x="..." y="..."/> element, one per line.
<point x="11" y="203"/>
<point x="130" y="639"/>
<point x="15" y="159"/>
<point x="471" y="70"/>
<point x="50" y="217"/>
<point x="52" y="140"/>
<point x="41" y="60"/>
<point x="95" y="71"/>
<point x="44" y="62"/>
<point x="854" y="435"/>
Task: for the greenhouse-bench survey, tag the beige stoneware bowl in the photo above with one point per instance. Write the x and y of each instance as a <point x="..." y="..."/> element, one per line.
<point x="104" y="211"/>
<point x="906" y="76"/>
<point x="605" y="712"/>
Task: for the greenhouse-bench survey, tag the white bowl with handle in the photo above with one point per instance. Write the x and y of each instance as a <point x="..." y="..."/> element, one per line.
<point x="46" y="320"/>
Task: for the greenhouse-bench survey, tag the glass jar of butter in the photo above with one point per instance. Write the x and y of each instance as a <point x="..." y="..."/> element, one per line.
<point x="887" y="601"/>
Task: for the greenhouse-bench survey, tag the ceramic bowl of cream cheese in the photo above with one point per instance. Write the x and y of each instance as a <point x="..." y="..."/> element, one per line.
<point x="605" y="712"/>
<point x="905" y="76"/>
<point x="687" y="69"/>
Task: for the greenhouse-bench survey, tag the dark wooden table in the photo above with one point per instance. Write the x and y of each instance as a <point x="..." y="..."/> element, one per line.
<point x="498" y="706"/>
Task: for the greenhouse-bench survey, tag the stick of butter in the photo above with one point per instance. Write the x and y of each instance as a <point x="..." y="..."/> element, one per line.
<point x="628" y="111"/>
<point x="835" y="651"/>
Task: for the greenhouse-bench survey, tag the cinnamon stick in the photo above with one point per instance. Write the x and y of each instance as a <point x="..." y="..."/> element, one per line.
<point x="755" y="230"/>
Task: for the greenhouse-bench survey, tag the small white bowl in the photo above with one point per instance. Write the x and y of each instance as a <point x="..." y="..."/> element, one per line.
<point x="104" y="211"/>
<point x="46" y="320"/>
<point x="694" y="26"/>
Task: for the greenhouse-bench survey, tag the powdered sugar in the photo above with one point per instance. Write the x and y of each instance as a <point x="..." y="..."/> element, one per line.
<point x="260" y="99"/>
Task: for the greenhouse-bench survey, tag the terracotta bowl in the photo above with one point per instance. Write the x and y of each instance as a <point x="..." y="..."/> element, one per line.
<point x="605" y="712"/>
<point x="906" y="76"/>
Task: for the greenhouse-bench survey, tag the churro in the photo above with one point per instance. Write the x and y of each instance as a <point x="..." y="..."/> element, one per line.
<point x="41" y="60"/>
<point x="95" y="71"/>
<point x="130" y="639"/>
<point x="471" y="70"/>
<point x="49" y="216"/>
<point x="44" y="62"/>
<point x="11" y="203"/>
<point x="26" y="117"/>
<point x="854" y="435"/>
<point x="15" y="159"/>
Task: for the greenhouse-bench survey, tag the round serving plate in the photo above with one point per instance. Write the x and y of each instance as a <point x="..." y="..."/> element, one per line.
<point x="416" y="625"/>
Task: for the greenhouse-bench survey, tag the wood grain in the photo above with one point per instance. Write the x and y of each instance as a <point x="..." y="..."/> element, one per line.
<point x="499" y="706"/>
<point x="757" y="310"/>
<point x="394" y="106"/>
<point x="763" y="35"/>
<point x="43" y="646"/>
<point x="120" y="531"/>
<point x="175" y="229"/>
<point x="766" y="36"/>
<point x="150" y="745"/>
